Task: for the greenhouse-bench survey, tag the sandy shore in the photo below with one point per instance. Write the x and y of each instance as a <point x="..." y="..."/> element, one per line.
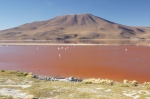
<point x="84" y="42"/>
<point x="68" y="44"/>
<point x="75" y="44"/>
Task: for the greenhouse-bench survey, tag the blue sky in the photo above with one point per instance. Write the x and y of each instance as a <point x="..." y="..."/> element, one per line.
<point x="128" y="12"/>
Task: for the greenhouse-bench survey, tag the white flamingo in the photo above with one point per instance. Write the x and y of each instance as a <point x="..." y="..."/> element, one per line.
<point x="59" y="55"/>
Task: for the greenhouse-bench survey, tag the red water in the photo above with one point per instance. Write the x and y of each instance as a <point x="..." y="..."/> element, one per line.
<point x="112" y="62"/>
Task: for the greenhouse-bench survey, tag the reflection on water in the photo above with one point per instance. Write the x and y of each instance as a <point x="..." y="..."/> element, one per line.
<point x="113" y="62"/>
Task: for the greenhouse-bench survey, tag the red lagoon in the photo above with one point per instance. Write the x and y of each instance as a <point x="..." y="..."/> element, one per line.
<point x="112" y="62"/>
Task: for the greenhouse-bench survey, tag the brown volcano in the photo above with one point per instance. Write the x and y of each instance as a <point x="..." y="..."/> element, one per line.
<point x="75" y="27"/>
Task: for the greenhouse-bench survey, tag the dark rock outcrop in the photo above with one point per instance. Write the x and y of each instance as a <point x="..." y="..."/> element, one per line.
<point x="69" y="79"/>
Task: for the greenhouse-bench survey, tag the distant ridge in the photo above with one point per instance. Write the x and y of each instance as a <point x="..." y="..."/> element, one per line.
<point x="75" y="27"/>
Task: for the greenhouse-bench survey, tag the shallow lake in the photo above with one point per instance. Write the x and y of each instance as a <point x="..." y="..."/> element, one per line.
<point x="112" y="62"/>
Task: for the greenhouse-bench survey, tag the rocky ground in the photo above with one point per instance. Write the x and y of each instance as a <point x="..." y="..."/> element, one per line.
<point x="21" y="85"/>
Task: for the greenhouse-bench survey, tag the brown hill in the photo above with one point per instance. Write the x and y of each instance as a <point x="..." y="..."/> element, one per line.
<point x="75" y="28"/>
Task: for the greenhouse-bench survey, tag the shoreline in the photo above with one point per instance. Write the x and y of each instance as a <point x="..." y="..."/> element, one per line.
<point x="68" y="44"/>
<point x="72" y="78"/>
<point x="56" y="44"/>
<point x="82" y="42"/>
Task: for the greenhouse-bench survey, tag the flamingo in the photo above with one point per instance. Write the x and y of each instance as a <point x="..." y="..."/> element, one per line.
<point x="59" y="55"/>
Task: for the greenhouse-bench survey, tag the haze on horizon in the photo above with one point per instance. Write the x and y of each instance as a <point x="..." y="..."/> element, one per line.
<point x="127" y="12"/>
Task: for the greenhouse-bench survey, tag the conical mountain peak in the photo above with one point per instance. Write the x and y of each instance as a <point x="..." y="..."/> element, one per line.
<point x="78" y="19"/>
<point x="76" y="27"/>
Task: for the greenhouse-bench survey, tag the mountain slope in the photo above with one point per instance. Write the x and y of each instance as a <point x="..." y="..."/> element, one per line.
<point x="74" y="27"/>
